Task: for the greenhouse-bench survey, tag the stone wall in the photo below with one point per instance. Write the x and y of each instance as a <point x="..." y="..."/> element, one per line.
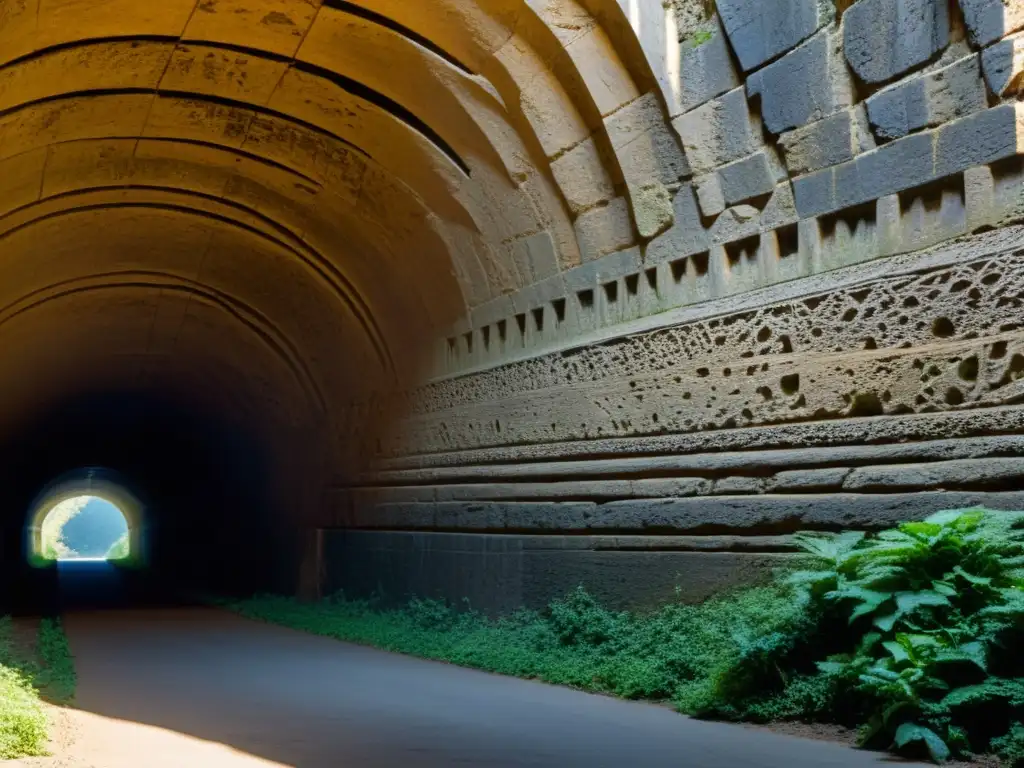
<point x="826" y="333"/>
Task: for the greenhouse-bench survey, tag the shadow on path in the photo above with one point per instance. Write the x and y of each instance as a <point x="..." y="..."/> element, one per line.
<point x="301" y="700"/>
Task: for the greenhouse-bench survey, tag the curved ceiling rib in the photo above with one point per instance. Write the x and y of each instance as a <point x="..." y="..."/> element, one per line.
<point x="315" y="261"/>
<point x="260" y="326"/>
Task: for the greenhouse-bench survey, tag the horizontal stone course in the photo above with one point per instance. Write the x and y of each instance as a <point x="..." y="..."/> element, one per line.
<point x="928" y="100"/>
<point x="805" y="85"/>
<point x="774" y="513"/>
<point x="980" y="138"/>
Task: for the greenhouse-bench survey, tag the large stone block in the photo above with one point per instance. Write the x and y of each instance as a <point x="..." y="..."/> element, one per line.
<point x="686" y="235"/>
<point x="647" y="148"/>
<point x="989" y="20"/>
<point x="928" y="100"/>
<point x="979" y="139"/>
<point x="760" y="31"/>
<point x="886" y="38"/>
<point x="706" y="70"/>
<point x="605" y="229"/>
<point x="581" y="176"/>
<point x="1003" y="64"/>
<point x="746" y="179"/>
<point x="718" y="132"/>
<point x="827" y="142"/>
<point x="807" y="84"/>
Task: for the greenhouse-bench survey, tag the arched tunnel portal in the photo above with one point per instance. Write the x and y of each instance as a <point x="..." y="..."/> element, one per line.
<point x="379" y="295"/>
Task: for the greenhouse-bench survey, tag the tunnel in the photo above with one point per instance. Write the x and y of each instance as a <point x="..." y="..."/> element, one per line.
<point x="489" y="298"/>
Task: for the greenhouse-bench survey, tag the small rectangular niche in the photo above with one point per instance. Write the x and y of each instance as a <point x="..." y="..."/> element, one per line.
<point x="468" y="337"/>
<point x="742" y="251"/>
<point x="521" y="323"/>
<point x="485" y="334"/>
<point x="652" y="278"/>
<point x="855" y="220"/>
<point x="611" y="291"/>
<point x="559" y="307"/>
<point x="586" y="298"/>
<point x="538" y="318"/>
<point x="788" y="240"/>
<point x="502" y="326"/>
<point x="632" y="284"/>
<point x="931" y="196"/>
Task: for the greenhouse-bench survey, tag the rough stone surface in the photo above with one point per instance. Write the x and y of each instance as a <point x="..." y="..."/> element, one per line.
<point x="946" y="474"/>
<point x="989" y="20"/>
<point x="718" y="132"/>
<point x="761" y="31"/>
<point x="706" y="69"/>
<point x="821" y="144"/>
<point x="1003" y="64"/>
<point x="928" y="100"/>
<point x="805" y="85"/>
<point x="746" y="179"/>
<point x="710" y="194"/>
<point x="605" y="229"/>
<point x="886" y="38"/>
<point x="983" y="137"/>
<point x="582" y="177"/>
<point x="809" y="480"/>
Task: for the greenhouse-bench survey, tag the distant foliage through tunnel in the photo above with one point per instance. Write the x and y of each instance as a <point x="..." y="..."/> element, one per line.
<point x="85" y="528"/>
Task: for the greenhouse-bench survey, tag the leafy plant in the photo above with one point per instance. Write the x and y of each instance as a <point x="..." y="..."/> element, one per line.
<point x="933" y="611"/>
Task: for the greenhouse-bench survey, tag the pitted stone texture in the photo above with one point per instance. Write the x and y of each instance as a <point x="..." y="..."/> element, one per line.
<point x="946" y="339"/>
<point x="989" y="20"/>
<point x="760" y="31"/>
<point x="807" y="84"/>
<point x="887" y="38"/>
<point x="718" y="132"/>
<point x="1003" y="64"/>
<point x="928" y="100"/>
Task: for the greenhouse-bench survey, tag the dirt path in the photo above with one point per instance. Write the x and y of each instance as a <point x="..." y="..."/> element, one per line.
<point x="203" y="688"/>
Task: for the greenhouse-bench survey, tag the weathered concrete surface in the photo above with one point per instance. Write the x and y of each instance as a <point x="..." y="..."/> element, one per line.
<point x="205" y="688"/>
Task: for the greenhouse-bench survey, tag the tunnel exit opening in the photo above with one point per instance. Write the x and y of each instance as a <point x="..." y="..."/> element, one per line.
<point x="85" y="516"/>
<point x="85" y="528"/>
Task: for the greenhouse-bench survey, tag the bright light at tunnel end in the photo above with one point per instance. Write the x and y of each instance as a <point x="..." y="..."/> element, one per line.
<point x="85" y="516"/>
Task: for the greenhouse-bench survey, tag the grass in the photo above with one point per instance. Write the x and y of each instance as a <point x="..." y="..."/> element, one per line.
<point x="26" y="682"/>
<point x="673" y="654"/>
<point x="910" y="635"/>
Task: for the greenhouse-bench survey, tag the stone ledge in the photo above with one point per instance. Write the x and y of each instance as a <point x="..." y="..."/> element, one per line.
<point x="766" y="514"/>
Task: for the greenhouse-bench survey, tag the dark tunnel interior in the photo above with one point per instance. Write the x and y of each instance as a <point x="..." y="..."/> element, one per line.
<point x="214" y="503"/>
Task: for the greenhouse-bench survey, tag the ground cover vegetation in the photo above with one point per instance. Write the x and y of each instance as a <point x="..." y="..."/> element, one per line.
<point x="911" y="635"/>
<point x="28" y="676"/>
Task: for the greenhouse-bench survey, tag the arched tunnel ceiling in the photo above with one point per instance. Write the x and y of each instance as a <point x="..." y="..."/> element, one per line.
<point x="277" y="206"/>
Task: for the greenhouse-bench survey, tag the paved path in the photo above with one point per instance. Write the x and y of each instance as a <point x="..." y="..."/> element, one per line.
<point x="201" y="687"/>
